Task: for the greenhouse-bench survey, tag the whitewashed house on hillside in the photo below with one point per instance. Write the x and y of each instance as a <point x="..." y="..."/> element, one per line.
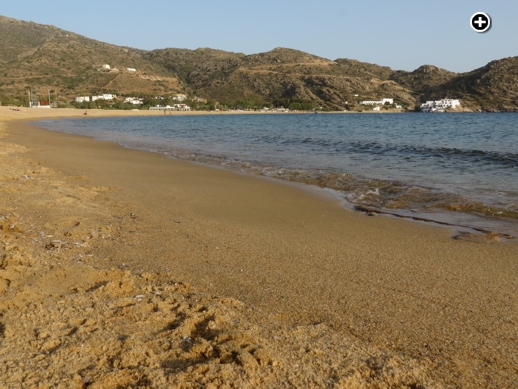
<point x="106" y="96"/>
<point x="134" y="100"/>
<point x="181" y="107"/>
<point x="179" y="97"/>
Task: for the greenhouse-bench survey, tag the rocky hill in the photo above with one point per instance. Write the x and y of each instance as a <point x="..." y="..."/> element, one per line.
<point x="423" y="79"/>
<point x="280" y="77"/>
<point x="493" y="87"/>
<point x="45" y="58"/>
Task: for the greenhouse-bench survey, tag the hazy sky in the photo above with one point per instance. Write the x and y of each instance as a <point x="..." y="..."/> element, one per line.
<point x="402" y="34"/>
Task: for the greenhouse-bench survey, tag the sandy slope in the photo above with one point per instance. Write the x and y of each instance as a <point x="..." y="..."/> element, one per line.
<point x="286" y="289"/>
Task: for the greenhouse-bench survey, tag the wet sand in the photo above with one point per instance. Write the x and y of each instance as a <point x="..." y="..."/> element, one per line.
<point x="327" y="297"/>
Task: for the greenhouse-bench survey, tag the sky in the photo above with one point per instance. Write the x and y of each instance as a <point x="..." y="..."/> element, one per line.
<point x="401" y="34"/>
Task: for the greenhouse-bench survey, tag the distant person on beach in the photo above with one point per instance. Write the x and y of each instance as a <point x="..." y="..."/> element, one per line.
<point x="86" y="113"/>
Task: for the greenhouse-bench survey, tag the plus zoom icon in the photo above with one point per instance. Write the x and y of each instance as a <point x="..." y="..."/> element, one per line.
<point x="480" y="22"/>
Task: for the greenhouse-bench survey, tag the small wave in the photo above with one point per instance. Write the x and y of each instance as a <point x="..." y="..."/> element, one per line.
<point x="381" y="194"/>
<point x="352" y="147"/>
<point x="375" y="148"/>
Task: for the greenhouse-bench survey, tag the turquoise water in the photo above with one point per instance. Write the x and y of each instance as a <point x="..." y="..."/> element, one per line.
<point x="457" y="168"/>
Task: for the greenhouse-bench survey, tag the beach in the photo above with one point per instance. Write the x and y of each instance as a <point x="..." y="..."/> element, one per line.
<point x="124" y="268"/>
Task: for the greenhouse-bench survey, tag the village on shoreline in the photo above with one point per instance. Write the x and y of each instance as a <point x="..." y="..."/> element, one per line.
<point x="385" y="105"/>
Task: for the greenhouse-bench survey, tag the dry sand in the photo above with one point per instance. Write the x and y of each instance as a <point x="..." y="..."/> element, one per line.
<point x="121" y="268"/>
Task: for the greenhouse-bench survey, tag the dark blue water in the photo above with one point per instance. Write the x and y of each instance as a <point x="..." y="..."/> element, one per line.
<point x="460" y="168"/>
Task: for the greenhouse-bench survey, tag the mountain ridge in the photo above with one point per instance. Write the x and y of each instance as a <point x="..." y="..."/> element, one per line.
<point x="46" y="58"/>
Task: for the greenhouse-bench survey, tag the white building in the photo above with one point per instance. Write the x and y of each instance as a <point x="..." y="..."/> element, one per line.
<point x="377" y="102"/>
<point x="106" y="96"/>
<point x="134" y="100"/>
<point x="106" y="66"/>
<point x="131" y="69"/>
<point x="38" y="104"/>
<point x="179" y="97"/>
<point x="376" y="108"/>
<point x="175" y="107"/>
<point x="439" y="105"/>
<point x="81" y="99"/>
<point x="181" y="107"/>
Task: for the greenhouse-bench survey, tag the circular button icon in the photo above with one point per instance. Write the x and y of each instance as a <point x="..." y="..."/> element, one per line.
<point x="480" y="22"/>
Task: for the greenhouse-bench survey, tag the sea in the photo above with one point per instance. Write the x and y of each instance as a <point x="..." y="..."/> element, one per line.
<point x="458" y="169"/>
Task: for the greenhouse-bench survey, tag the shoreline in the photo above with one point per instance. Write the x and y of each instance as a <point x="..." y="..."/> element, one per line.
<point x="468" y="224"/>
<point x="11" y="112"/>
<point x="388" y="287"/>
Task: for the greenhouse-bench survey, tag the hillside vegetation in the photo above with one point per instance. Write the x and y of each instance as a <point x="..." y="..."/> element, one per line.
<point x="45" y="59"/>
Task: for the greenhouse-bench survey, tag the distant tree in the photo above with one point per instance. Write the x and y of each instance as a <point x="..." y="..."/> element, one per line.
<point x="295" y="106"/>
<point x="103" y="104"/>
<point x="150" y="101"/>
<point x="211" y="104"/>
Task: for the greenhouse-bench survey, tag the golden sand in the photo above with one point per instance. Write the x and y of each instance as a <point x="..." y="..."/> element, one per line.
<point x="122" y="268"/>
